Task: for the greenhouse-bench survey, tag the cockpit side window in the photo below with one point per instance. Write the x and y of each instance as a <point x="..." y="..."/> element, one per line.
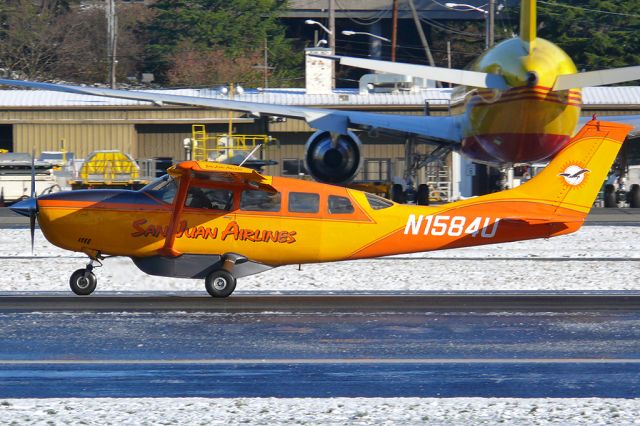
<point x="260" y="201"/>
<point x="209" y="198"/>
<point x="163" y="188"/>
<point x="340" y="205"/>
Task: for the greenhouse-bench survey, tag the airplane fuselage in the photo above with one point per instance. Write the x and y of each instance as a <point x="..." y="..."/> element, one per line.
<point x="136" y="224"/>
<point x="527" y="122"/>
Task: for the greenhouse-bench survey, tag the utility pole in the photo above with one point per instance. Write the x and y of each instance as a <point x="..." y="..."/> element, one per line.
<point x="423" y="38"/>
<point x="449" y="57"/>
<point x="266" y="63"/>
<point x="112" y="40"/>
<point x="394" y="33"/>
<point x="332" y="39"/>
<point x="491" y="24"/>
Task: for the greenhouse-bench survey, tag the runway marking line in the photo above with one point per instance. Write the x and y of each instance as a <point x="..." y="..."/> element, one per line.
<point x="302" y="361"/>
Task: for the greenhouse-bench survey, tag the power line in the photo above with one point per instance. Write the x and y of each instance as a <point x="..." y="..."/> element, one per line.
<point x="449" y="29"/>
<point x="568" y="6"/>
<point x="374" y="19"/>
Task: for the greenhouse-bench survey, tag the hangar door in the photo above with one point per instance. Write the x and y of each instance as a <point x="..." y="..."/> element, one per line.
<point x="6" y="137"/>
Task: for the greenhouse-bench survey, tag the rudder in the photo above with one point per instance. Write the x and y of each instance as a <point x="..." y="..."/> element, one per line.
<point x="528" y="23"/>
<point x="574" y="177"/>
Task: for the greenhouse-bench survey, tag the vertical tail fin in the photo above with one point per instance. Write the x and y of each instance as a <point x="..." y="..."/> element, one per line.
<point x="528" y="24"/>
<point x="574" y="177"/>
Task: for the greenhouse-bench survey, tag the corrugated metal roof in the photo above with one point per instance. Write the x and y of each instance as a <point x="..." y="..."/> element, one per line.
<point x="623" y="95"/>
<point x="348" y="97"/>
<point x="629" y="95"/>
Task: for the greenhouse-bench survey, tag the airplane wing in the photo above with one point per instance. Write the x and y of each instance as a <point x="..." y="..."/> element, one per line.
<point x="447" y="75"/>
<point x="596" y="78"/>
<point x="446" y="129"/>
<point x="225" y="173"/>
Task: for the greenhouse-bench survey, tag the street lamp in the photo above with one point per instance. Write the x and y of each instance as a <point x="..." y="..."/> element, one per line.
<point x="468" y="6"/>
<point x="312" y="22"/>
<point x="488" y="18"/>
<point x="350" y="33"/>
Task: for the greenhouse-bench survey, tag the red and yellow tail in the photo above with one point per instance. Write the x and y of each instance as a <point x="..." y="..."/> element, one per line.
<point x="528" y="24"/>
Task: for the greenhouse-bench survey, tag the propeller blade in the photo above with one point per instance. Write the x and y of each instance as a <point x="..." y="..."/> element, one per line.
<point x="32" y="227"/>
<point x="34" y="196"/>
<point x="33" y="173"/>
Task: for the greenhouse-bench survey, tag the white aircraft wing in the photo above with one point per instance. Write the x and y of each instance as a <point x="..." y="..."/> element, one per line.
<point x="596" y="78"/>
<point x="446" y="129"/>
<point x="447" y="75"/>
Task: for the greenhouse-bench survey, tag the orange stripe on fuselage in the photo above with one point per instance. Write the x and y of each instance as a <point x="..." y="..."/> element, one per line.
<point x="487" y="97"/>
<point x="509" y="227"/>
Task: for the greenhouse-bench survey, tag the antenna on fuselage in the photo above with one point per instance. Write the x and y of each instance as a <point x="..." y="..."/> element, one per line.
<point x="528" y="24"/>
<point x="253" y="151"/>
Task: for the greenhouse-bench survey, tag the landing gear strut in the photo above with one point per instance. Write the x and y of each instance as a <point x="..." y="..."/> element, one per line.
<point x="83" y="281"/>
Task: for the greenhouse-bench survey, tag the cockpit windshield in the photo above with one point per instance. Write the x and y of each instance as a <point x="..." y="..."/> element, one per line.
<point x="163" y="188"/>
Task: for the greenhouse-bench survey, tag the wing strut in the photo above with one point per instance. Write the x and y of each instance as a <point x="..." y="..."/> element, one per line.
<point x="169" y="240"/>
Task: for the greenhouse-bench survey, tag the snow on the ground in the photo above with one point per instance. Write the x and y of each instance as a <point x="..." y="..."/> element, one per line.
<point x="334" y="411"/>
<point x="512" y="266"/>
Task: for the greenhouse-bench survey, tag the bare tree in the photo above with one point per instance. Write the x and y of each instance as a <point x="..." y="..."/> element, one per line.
<point x="29" y="39"/>
<point x="83" y="55"/>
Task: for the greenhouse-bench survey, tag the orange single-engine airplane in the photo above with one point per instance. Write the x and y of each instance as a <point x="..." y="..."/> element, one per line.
<point x="221" y="222"/>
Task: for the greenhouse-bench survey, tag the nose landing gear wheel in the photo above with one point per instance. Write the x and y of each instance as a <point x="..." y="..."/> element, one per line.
<point x="220" y="283"/>
<point x="83" y="282"/>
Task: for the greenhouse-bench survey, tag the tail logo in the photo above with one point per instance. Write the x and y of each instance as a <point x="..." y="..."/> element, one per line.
<point x="574" y="175"/>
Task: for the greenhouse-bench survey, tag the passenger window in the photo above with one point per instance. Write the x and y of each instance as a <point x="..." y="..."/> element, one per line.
<point x="304" y="202"/>
<point x="209" y="198"/>
<point x="260" y="201"/>
<point x="340" y="205"/>
<point x="377" y="203"/>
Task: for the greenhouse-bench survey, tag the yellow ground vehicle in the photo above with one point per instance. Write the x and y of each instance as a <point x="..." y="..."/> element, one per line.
<point x="109" y="169"/>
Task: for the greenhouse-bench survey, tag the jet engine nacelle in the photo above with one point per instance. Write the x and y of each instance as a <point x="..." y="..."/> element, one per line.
<point x="332" y="158"/>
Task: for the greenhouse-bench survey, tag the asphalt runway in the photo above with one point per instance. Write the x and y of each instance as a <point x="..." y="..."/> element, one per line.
<point x="482" y="345"/>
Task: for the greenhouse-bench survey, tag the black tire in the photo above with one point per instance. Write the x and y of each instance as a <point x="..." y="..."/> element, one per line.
<point x="83" y="282"/>
<point x="422" y="199"/>
<point x="610" y="200"/>
<point x="220" y="283"/>
<point x="634" y="196"/>
<point x="397" y="193"/>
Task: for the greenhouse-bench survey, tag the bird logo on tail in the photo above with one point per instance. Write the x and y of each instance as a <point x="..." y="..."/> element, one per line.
<point x="574" y="175"/>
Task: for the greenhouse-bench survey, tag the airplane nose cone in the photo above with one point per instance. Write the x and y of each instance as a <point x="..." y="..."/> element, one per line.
<point x="25" y="207"/>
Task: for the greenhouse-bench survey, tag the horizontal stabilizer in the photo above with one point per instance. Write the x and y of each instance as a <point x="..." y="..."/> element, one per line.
<point x="447" y="75"/>
<point x="596" y="78"/>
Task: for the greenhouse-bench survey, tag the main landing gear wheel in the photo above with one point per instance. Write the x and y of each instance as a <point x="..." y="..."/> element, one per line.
<point x="83" y="282"/>
<point x="220" y="283"/>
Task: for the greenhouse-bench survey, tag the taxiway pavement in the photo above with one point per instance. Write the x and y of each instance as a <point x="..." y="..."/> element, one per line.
<point x="485" y="345"/>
